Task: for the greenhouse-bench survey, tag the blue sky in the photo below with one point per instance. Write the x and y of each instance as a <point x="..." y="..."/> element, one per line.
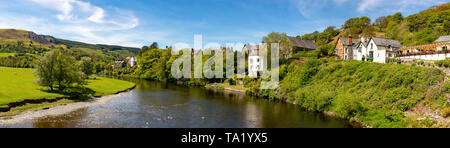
<point x="169" y="22"/>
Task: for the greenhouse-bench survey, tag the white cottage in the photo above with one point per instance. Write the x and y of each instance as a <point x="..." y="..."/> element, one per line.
<point x="131" y="61"/>
<point x="377" y="49"/>
<point x="254" y="60"/>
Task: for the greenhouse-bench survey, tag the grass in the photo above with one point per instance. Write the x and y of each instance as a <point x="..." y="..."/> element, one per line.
<point x="231" y="86"/>
<point x="6" y="54"/>
<point x="33" y="107"/>
<point x="18" y="84"/>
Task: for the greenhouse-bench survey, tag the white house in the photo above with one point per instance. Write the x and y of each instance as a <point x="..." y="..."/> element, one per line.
<point x="377" y="49"/>
<point x="132" y="61"/>
<point x="254" y="60"/>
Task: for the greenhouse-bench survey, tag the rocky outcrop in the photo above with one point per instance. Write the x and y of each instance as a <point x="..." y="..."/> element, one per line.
<point x="42" y="39"/>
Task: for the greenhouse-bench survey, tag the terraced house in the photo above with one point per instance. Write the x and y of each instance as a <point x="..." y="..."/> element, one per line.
<point x="436" y="51"/>
<point x="346" y="48"/>
<point x="377" y="49"/>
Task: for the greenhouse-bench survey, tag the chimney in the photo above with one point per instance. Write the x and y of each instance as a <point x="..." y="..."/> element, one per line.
<point x="350" y="40"/>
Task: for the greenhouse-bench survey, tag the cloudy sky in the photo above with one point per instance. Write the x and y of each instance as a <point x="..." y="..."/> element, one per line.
<point x="140" y="22"/>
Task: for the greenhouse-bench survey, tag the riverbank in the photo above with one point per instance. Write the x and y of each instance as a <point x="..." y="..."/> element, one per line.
<point x="19" y="92"/>
<point x="58" y="109"/>
<point x="377" y="95"/>
<point x="227" y="87"/>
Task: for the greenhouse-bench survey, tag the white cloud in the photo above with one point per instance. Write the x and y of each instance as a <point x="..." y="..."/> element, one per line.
<point x="78" y="20"/>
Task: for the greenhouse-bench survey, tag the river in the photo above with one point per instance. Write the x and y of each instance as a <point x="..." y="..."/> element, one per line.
<point x="163" y="105"/>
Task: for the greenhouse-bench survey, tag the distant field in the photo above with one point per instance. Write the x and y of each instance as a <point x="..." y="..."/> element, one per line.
<point x="7" y="54"/>
<point x="18" y="84"/>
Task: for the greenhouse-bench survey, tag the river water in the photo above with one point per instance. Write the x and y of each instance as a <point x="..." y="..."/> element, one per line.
<point x="162" y="105"/>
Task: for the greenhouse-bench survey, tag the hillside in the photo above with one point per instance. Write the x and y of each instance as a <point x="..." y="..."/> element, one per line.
<point x="379" y="95"/>
<point x="12" y="36"/>
<point x="417" y="29"/>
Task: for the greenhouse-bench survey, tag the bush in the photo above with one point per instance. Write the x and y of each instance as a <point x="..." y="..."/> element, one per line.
<point x="439" y="63"/>
<point x="446" y="112"/>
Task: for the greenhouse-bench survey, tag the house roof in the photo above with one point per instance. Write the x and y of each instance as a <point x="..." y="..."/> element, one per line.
<point x="443" y="39"/>
<point x="303" y="43"/>
<point x="386" y="42"/>
<point x="425" y="47"/>
<point x="254" y="48"/>
<point x="345" y="41"/>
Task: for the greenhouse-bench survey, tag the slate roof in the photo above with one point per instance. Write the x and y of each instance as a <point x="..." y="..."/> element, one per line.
<point x="443" y="39"/>
<point x="254" y="48"/>
<point x="386" y="42"/>
<point x="303" y="43"/>
<point x="345" y="41"/>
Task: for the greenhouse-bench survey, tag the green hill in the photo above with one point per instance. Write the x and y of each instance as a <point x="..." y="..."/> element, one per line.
<point x="13" y="36"/>
<point x="417" y="29"/>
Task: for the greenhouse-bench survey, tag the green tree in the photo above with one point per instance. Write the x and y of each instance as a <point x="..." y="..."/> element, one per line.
<point x="87" y="66"/>
<point x="327" y="49"/>
<point x="154" y="45"/>
<point x="58" y="68"/>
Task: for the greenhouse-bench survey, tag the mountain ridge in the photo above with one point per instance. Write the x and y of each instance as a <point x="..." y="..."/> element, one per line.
<point x="25" y="35"/>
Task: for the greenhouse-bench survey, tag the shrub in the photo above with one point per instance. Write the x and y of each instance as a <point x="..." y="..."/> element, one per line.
<point x="439" y="63"/>
<point x="446" y="112"/>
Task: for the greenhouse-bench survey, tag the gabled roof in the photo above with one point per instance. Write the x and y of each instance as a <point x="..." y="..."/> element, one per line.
<point x="303" y="43"/>
<point x="345" y="41"/>
<point x="386" y="42"/>
<point x="249" y="47"/>
<point x="443" y="39"/>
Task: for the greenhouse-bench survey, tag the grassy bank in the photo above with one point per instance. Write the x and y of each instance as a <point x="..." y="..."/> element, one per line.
<point x="18" y="85"/>
<point x="376" y="94"/>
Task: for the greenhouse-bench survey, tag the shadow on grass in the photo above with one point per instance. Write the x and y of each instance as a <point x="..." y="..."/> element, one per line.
<point x="74" y="93"/>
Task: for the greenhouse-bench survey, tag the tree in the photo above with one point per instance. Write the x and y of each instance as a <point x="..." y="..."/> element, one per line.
<point x="327" y="49"/>
<point x="286" y="45"/>
<point x="87" y="66"/>
<point x="45" y="68"/>
<point x="60" y="69"/>
<point x="398" y="17"/>
<point x="154" y="45"/>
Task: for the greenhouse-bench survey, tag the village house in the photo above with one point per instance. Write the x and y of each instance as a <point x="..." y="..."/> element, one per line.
<point x="131" y="61"/>
<point x="254" y="60"/>
<point x="376" y="49"/>
<point x="346" y="48"/>
<point x="436" y="51"/>
<point x="299" y="45"/>
<point x="118" y="64"/>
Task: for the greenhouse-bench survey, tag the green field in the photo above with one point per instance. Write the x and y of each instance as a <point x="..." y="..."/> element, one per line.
<point x="18" y="84"/>
<point x="7" y="54"/>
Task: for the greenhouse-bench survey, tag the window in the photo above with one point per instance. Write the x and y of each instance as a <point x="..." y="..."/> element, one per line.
<point x="371" y="45"/>
<point x="371" y="54"/>
<point x="251" y="61"/>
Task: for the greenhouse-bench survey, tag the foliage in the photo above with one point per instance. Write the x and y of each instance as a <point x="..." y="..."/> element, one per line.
<point x="321" y="38"/>
<point x="154" y="64"/>
<point x="446" y="112"/>
<point x="327" y="50"/>
<point x="58" y="68"/>
<point x="87" y="66"/>
<point x="18" y="84"/>
<point x="376" y="94"/>
<point x="286" y="46"/>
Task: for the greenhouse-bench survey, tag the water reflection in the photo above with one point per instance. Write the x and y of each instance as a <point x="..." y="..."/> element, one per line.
<point x="166" y="105"/>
